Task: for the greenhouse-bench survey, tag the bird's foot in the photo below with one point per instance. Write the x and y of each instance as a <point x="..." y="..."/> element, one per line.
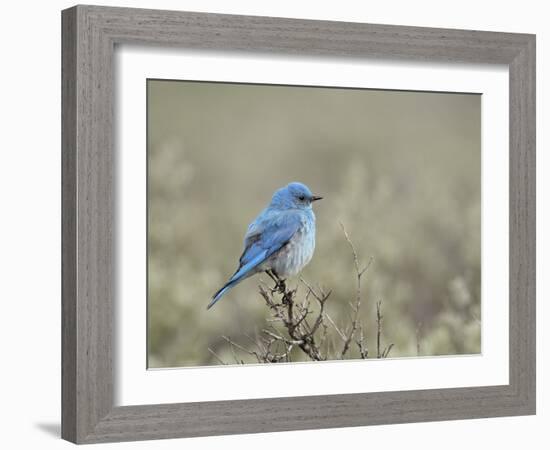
<point x="280" y="287"/>
<point x="272" y="275"/>
<point x="280" y="284"/>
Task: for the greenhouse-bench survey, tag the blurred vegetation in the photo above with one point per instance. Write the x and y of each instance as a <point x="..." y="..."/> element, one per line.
<point x="401" y="171"/>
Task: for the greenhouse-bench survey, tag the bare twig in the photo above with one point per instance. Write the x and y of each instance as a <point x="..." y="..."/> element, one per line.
<point x="216" y="356"/>
<point x="386" y="351"/>
<point x="417" y="335"/>
<point x="340" y="333"/>
<point x="355" y="307"/>
<point x="380" y="353"/>
<point x="378" y="329"/>
<point x="363" y="351"/>
<point x="234" y="345"/>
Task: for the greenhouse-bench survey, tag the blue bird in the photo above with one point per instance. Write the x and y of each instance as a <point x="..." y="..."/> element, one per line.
<point x="280" y="241"/>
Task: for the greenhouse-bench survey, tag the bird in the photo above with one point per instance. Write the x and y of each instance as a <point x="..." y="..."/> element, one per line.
<point x="280" y="240"/>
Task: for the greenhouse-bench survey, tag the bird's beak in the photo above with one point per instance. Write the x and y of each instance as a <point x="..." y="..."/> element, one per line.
<point x="315" y="198"/>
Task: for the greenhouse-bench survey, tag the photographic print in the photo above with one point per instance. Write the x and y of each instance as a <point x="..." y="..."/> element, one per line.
<point x="291" y="224"/>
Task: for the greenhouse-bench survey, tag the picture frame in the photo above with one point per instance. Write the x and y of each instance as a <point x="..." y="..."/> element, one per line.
<point x="89" y="37"/>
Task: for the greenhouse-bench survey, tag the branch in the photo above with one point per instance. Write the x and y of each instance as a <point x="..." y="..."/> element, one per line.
<point x="356" y="307"/>
<point x="216" y="356"/>
<point x="386" y="351"/>
<point x="304" y="323"/>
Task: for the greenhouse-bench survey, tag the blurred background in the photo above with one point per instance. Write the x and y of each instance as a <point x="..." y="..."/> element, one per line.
<point x="401" y="170"/>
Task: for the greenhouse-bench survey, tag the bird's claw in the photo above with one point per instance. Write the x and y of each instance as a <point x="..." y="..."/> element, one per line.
<point x="280" y="286"/>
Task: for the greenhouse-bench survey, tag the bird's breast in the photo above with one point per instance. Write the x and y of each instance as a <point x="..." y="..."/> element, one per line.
<point x="295" y="255"/>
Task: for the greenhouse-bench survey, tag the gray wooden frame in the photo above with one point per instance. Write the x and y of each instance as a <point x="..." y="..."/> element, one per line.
<point x="89" y="37"/>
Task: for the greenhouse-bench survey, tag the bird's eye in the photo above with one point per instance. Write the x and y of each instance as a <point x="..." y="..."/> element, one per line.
<point x="302" y="198"/>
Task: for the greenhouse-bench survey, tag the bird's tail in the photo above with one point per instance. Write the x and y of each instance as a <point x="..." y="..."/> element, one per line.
<point x="218" y="295"/>
<point x="242" y="273"/>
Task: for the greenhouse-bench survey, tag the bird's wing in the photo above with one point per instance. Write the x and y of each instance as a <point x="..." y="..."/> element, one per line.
<point x="268" y="234"/>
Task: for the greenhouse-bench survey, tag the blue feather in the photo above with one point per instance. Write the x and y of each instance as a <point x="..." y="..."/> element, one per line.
<point x="265" y="237"/>
<point x="242" y="273"/>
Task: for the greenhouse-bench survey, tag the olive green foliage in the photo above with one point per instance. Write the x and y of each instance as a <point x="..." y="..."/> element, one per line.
<point x="401" y="171"/>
